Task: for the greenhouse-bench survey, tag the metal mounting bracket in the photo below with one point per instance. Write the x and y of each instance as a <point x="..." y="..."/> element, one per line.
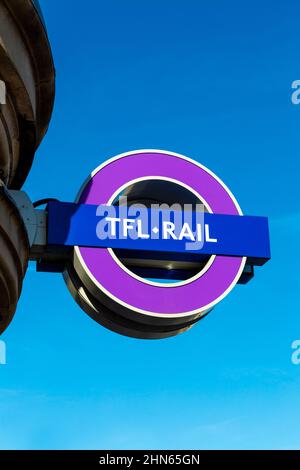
<point x="35" y="220"/>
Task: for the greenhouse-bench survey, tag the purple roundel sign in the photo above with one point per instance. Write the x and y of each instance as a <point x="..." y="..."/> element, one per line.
<point x="168" y="307"/>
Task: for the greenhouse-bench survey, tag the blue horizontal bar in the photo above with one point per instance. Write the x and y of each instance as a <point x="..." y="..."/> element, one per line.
<point x="72" y="224"/>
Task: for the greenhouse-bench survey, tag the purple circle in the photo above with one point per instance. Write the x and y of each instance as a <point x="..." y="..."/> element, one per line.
<point x="124" y="288"/>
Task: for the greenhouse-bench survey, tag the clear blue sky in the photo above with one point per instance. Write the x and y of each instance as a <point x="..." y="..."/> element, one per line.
<point x="211" y="80"/>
